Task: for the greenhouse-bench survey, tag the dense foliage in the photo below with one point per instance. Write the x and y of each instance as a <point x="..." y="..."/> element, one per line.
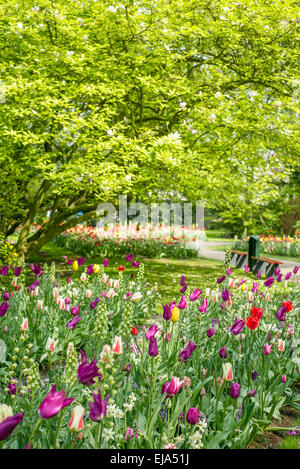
<point x="211" y="373"/>
<point x="150" y="99"/>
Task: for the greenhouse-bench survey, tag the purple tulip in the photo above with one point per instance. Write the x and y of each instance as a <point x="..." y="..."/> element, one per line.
<point x="210" y="332"/>
<point x="4" y="270"/>
<point x="80" y="260"/>
<point x="88" y="371"/>
<point x="9" y="424"/>
<point x="237" y="327"/>
<point x="6" y="296"/>
<point x="182" y="280"/>
<point x="279" y="278"/>
<point x="167" y="338"/>
<point x="223" y="352"/>
<point x="195" y="295"/>
<point x="288" y="275"/>
<point x="254" y="375"/>
<point x="75" y="310"/>
<point x="187" y="351"/>
<point x="4" y="308"/>
<point x="135" y="264"/>
<point x="105" y="262"/>
<point x="225" y="294"/>
<point x="269" y="282"/>
<point x="258" y="276"/>
<point x="269" y="337"/>
<point x="90" y="269"/>
<point x="280" y="313"/>
<point x="12" y="386"/>
<point x="283" y="379"/>
<point x="17" y="271"/>
<point x="128" y="257"/>
<point x="215" y="321"/>
<point x="53" y="403"/>
<point x="246" y="269"/>
<point x="182" y="290"/>
<point x="151" y="331"/>
<point x="33" y="285"/>
<point x="235" y="390"/>
<point x="73" y="323"/>
<point x="242" y="281"/>
<point x="182" y="302"/>
<point x="93" y="304"/>
<point x="37" y="269"/>
<point x="193" y="416"/>
<point x="167" y="313"/>
<point x="203" y="307"/>
<point x="251" y="393"/>
<point x="153" y="348"/>
<point x="221" y="279"/>
<point x="98" y="407"/>
<point x="276" y="272"/>
<point x="69" y="279"/>
<point x="254" y="289"/>
<point x="229" y="271"/>
<point x="67" y="301"/>
<point x="295" y="270"/>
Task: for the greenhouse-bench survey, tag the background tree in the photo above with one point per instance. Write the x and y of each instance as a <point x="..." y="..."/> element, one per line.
<point x="139" y="97"/>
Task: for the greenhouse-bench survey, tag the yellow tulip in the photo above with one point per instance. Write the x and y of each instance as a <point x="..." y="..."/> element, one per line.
<point x="175" y="314"/>
<point x="96" y="268"/>
<point x="75" y="265"/>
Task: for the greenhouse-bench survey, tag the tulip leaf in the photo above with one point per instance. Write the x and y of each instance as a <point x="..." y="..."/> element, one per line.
<point x="3" y="349"/>
<point x="215" y="441"/>
<point x="155" y="415"/>
<point x="247" y="415"/>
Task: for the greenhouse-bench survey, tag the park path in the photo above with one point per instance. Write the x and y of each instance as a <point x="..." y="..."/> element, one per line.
<point x="204" y="250"/>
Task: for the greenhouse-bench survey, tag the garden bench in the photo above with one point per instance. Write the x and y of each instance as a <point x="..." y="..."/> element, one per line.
<point x="239" y="258"/>
<point x="267" y="266"/>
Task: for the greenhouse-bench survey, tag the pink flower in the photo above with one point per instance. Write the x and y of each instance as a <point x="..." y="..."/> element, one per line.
<point x="53" y="403"/>
<point x="267" y="349"/>
<point x="172" y="387"/>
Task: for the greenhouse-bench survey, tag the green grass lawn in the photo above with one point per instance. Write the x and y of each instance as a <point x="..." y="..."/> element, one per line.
<point x="218" y="235"/>
<point x="201" y="273"/>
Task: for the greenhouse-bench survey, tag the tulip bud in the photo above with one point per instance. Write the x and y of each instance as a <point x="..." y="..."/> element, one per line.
<point x="24" y="325"/>
<point x="175" y="314"/>
<point x="193" y="416"/>
<point x="76" y="422"/>
<point x="227" y="371"/>
<point x="5" y="412"/>
<point x="235" y="390"/>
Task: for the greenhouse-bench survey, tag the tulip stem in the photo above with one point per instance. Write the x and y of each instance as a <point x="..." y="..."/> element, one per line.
<point x="59" y="427"/>
<point x="100" y="434"/>
<point x="34" y="430"/>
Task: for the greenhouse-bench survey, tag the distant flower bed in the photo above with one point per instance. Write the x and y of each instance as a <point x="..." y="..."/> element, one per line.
<point x="149" y="241"/>
<point x="282" y="246"/>
<point x="77" y="371"/>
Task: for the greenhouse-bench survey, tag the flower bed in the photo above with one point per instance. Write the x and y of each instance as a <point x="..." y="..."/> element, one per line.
<point x="78" y="372"/>
<point x="148" y="241"/>
<point x="281" y="246"/>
